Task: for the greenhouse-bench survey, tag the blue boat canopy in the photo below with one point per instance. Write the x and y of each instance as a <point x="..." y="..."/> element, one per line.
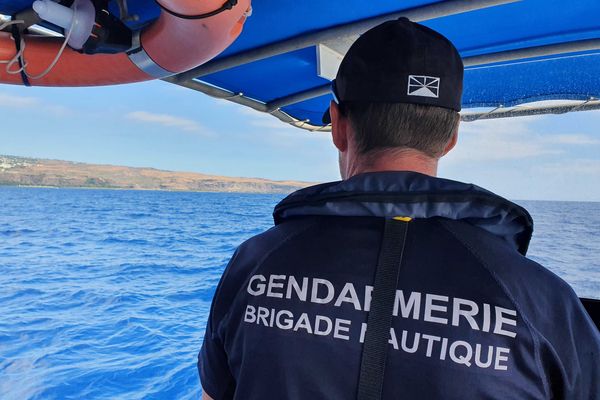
<point x="521" y="57"/>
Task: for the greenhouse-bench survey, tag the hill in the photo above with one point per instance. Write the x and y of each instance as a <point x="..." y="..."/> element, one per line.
<point x="21" y="171"/>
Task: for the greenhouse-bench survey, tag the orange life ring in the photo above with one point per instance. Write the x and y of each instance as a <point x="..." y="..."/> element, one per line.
<point x="170" y="45"/>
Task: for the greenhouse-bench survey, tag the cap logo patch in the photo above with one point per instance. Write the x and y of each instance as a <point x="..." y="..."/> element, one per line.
<point x="425" y="86"/>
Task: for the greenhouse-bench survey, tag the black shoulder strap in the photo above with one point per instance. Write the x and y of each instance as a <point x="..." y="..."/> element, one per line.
<point x="16" y="33"/>
<point x="379" y="321"/>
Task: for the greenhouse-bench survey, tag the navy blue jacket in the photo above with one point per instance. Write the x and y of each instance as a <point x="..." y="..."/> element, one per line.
<point x="473" y="317"/>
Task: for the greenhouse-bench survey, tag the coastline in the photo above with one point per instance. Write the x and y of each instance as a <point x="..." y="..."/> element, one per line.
<point x="3" y="185"/>
<point x="42" y="173"/>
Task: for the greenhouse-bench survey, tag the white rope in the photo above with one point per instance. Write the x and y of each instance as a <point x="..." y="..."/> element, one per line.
<point x="20" y="56"/>
<point x="6" y="25"/>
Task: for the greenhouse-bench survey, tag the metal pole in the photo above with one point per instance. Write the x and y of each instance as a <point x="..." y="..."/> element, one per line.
<point x="239" y="98"/>
<point x="418" y="14"/>
<point x="510" y="55"/>
<point x="219" y="93"/>
<point x="531" y="52"/>
<point x="298" y="97"/>
<point x="522" y="111"/>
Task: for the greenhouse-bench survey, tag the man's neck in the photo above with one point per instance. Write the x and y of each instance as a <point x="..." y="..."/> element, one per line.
<point x="394" y="160"/>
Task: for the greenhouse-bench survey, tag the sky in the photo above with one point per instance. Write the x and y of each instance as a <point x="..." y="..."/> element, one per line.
<point x="156" y="124"/>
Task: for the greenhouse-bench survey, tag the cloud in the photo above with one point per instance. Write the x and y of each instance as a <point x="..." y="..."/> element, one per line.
<point x="170" y="121"/>
<point x="574" y="139"/>
<point x="226" y="103"/>
<point x="270" y="122"/>
<point x="58" y="110"/>
<point x="501" y="139"/>
<point x="34" y="105"/>
<point x="572" y="167"/>
<point x="263" y="120"/>
<point x="514" y="139"/>
<point x="10" y="100"/>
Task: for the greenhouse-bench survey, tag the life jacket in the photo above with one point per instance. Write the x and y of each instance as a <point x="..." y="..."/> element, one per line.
<point x="472" y="316"/>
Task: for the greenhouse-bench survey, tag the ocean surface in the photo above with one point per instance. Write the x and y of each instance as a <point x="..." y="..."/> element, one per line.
<point x="105" y="294"/>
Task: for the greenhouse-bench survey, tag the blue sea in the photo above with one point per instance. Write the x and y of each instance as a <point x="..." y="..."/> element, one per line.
<point x="105" y="294"/>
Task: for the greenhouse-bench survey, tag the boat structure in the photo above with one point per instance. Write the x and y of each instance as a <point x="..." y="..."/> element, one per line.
<point x="521" y="57"/>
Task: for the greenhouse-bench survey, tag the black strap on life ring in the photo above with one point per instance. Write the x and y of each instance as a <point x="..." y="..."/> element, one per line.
<point x="228" y="5"/>
<point x="379" y="321"/>
<point x="16" y="34"/>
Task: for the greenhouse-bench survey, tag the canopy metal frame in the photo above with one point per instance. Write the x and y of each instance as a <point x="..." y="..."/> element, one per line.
<point x="523" y="110"/>
<point x="191" y="79"/>
<point x="417" y="14"/>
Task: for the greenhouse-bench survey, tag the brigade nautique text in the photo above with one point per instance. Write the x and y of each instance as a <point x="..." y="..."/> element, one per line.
<point x="427" y="307"/>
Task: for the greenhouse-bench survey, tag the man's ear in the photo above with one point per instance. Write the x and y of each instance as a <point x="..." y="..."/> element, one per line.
<point x="452" y="142"/>
<point x="339" y="127"/>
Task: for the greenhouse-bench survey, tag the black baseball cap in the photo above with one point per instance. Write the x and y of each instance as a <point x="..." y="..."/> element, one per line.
<point x="400" y="61"/>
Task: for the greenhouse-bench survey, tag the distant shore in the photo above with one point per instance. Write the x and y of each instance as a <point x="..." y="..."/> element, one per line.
<point x="41" y="173"/>
<point x="124" y="189"/>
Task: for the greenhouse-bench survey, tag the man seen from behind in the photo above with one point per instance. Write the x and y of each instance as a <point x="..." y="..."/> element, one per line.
<point x="472" y="317"/>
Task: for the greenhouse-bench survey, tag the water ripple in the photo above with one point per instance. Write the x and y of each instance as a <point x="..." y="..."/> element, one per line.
<point x="105" y="294"/>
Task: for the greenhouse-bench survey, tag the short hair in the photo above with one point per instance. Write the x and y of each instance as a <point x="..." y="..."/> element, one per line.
<point x="380" y="126"/>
